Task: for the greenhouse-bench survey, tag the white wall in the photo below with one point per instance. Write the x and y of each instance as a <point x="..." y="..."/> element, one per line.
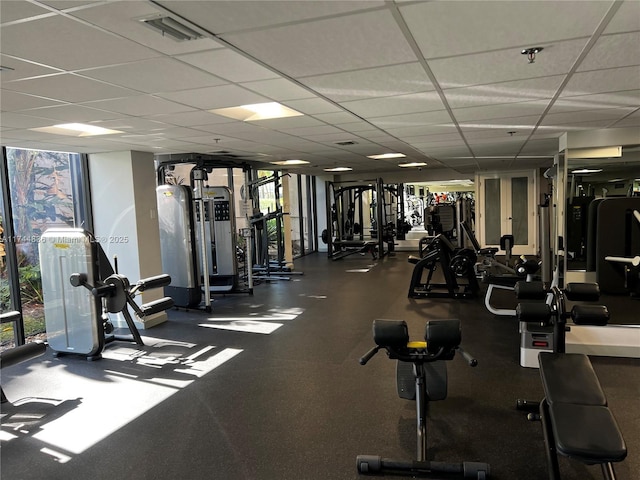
<point x="125" y="217"/>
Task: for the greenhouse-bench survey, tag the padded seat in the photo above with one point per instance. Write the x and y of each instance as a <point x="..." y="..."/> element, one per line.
<point x="413" y="259"/>
<point x="570" y="378"/>
<point x="504" y="280"/>
<point x="588" y="433"/>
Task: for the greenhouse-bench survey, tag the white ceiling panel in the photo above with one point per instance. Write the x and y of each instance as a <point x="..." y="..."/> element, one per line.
<point x="626" y="19"/>
<point x="68" y="87"/>
<point x="22" y="69"/>
<point x="278" y="89"/>
<point x="504" y="92"/>
<point x="452" y="28"/>
<point x="150" y="76"/>
<point x="139" y="105"/>
<point x="12" y="101"/>
<point x="423" y="130"/>
<point x="226" y="16"/>
<point x="123" y="18"/>
<point x="227" y="64"/>
<point x="608" y="115"/>
<point x="600" y="81"/>
<point x="613" y="51"/>
<point x="372" y="82"/>
<point x="399" y="105"/>
<point x="312" y="106"/>
<point x="505" y="65"/>
<point x="12" y="11"/>
<point x="602" y="100"/>
<point x="215" y="97"/>
<point x="516" y="109"/>
<point x="62" y="38"/>
<point x="72" y="113"/>
<point x="17" y="120"/>
<point x="632" y="120"/>
<point x="307" y="49"/>
<point x="189" y="119"/>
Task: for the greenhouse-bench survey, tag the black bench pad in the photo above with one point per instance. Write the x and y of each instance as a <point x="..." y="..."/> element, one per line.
<point x="503" y="280"/>
<point x="588" y="433"/>
<point x="570" y="378"/>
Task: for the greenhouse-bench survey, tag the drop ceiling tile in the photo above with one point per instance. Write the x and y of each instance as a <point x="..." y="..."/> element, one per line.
<point x="11" y="101"/>
<point x="150" y="76"/>
<point x="134" y="124"/>
<point x="409" y="133"/>
<point x="444" y="29"/>
<point x="123" y="18"/>
<point x="355" y="127"/>
<point x="567" y="118"/>
<point x="399" y="105"/>
<point x="215" y="97"/>
<point x="190" y="119"/>
<point x="320" y="129"/>
<point x="371" y="82"/>
<point x="412" y="119"/>
<point x="68" y="88"/>
<point x="518" y="124"/>
<point x="22" y="69"/>
<point x="336" y="118"/>
<point x="601" y="81"/>
<point x="505" y="65"/>
<point x="312" y="106"/>
<point x="139" y="105"/>
<point x="626" y="19"/>
<point x="17" y="120"/>
<point x="289" y="123"/>
<point x="505" y="92"/>
<point x="62" y="36"/>
<point x="601" y="100"/>
<point x="12" y="11"/>
<point x="306" y="49"/>
<point x="227" y="64"/>
<point x="632" y="120"/>
<point x="611" y="51"/>
<point x="278" y="89"/>
<point x="72" y="114"/>
<point x="226" y="16"/>
<point x="516" y="109"/>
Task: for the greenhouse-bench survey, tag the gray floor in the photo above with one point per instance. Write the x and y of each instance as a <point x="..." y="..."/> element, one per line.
<point x="269" y="387"/>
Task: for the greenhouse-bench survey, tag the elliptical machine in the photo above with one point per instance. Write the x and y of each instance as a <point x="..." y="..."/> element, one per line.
<point x="421" y="376"/>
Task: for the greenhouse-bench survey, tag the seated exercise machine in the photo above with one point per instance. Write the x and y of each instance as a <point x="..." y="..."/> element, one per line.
<point x="628" y="267"/>
<point x="524" y="268"/>
<point x="77" y="319"/>
<point x="18" y="354"/>
<point x="576" y="421"/>
<point x="455" y="263"/>
<point x="421" y="376"/>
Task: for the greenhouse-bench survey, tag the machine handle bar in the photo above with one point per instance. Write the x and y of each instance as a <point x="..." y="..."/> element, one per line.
<point x="470" y="360"/>
<point x="367" y="356"/>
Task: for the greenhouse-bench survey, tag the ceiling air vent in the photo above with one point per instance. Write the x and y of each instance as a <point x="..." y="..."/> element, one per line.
<point x="346" y="142"/>
<point x="172" y="28"/>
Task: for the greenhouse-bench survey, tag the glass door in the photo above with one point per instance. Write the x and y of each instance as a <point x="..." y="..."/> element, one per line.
<point x="507" y="207"/>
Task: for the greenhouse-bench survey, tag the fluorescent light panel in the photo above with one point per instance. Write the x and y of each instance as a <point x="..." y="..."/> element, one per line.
<point x="385" y="156"/>
<point x="412" y="164"/>
<point x="290" y="162"/>
<point x="76" y="130"/>
<point x="338" y="169"/>
<point x="257" y="111"/>
<point x="587" y="170"/>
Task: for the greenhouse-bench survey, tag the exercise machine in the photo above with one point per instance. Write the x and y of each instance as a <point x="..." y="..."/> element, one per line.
<point x="421" y="376"/>
<point x="18" y="354"/>
<point x="629" y="266"/>
<point x="78" y="322"/>
<point x="454" y="263"/>
<point x="576" y="421"/>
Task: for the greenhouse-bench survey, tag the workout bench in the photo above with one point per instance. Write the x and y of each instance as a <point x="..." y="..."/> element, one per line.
<point x="576" y="421"/>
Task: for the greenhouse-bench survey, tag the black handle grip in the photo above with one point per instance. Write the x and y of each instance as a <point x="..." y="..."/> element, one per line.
<point x="104" y="290"/>
<point x="153" y="282"/>
<point x="367" y="356"/>
<point x="470" y="360"/>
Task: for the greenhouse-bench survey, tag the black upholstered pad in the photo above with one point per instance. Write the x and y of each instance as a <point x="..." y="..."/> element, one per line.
<point x="570" y="378"/>
<point x="588" y="433"/>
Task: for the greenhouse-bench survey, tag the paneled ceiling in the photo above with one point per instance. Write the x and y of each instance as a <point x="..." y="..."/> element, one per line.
<point x="442" y="82"/>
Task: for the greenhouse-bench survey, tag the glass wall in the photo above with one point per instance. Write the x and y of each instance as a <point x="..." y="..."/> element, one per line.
<point x="40" y="192"/>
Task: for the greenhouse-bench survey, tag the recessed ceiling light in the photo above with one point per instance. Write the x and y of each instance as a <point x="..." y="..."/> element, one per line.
<point x="384" y="156"/>
<point x="338" y="169"/>
<point x="76" y="130"/>
<point x="290" y="162"/>
<point x="412" y="164"/>
<point x="257" y="111"/>
<point x="587" y="170"/>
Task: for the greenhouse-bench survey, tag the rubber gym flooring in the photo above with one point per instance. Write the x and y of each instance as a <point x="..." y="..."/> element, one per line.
<point x="269" y="387"/>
